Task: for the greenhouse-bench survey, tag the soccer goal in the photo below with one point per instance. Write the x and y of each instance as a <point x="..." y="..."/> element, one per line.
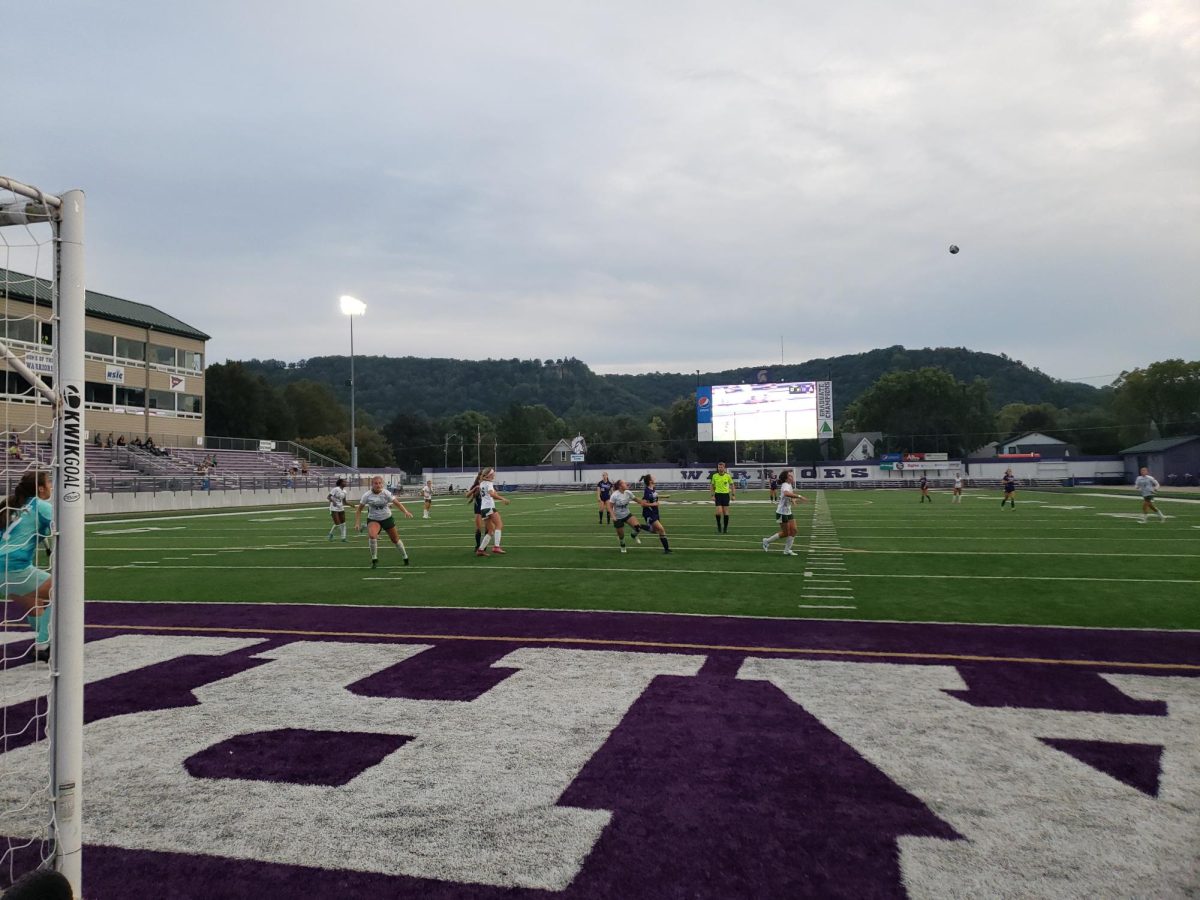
<point x="41" y="677"/>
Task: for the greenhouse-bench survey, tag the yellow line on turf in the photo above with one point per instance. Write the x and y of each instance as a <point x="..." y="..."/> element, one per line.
<point x="662" y="645"/>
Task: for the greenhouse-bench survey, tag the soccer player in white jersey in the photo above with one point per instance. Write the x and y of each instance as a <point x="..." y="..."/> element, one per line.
<point x="1146" y="485"/>
<point x="618" y="508"/>
<point x="488" y="514"/>
<point x="427" y="496"/>
<point x="958" y="486"/>
<point x="783" y="512"/>
<point x="337" y="508"/>
<point x="378" y="503"/>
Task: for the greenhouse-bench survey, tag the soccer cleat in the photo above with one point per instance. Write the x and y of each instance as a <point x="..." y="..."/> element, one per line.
<point x="374" y="564"/>
<point x="406" y="560"/>
<point x="344" y="541"/>
<point x="481" y="553"/>
<point x="38" y="654"/>
<point x="637" y="540"/>
<point x="666" y="550"/>
<point x="622" y="549"/>
<point x="331" y="535"/>
<point x="766" y="546"/>
<point x="789" y="553"/>
<point x="496" y="550"/>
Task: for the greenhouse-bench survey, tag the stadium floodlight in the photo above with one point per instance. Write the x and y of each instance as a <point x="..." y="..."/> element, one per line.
<point x="352" y="306"/>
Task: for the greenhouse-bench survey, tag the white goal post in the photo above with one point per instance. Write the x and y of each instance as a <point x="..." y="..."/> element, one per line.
<point x="64" y="214"/>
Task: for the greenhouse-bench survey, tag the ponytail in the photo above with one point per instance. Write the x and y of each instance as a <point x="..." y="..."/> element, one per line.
<point x="26" y="488"/>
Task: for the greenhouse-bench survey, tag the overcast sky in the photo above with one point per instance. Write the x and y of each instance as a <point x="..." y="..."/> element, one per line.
<point x="645" y="186"/>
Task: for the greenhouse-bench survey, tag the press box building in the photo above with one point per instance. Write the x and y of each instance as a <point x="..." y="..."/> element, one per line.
<point x="144" y="369"/>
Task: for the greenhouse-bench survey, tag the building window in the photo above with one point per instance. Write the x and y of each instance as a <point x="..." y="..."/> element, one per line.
<point x="189" y="403"/>
<point x="127" y="349"/>
<point x="127" y="396"/>
<point x="162" y="400"/>
<point x="162" y="356"/>
<point x="25" y="330"/>
<point x="191" y="360"/>
<point x="100" y="344"/>
<point x="97" y="392"/>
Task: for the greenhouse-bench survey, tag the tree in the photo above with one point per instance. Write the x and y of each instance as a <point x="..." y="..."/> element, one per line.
<point x="242" y="403"/>
<point x="315" y="408"/>
<point x="924" y="410"/>
<point x="329" y="445"/>
<point x="527" y="433"/>
<point x="1166" y="393"/>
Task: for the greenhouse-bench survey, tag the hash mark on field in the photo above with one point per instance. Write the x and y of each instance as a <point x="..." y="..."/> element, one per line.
<point x="819" y="606"/>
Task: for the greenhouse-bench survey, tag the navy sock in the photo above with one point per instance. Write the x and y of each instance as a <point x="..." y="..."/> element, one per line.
<point x="666" y="546"/>
<point x="478" y="535"/>
<point x="726" y="518"/>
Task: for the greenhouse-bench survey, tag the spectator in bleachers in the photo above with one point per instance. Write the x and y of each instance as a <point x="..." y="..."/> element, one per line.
<point x="121" y="441"/>
<point x="97" y="442"/>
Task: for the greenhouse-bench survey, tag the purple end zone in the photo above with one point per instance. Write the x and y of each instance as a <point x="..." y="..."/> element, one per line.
<point x="718" y="787"/>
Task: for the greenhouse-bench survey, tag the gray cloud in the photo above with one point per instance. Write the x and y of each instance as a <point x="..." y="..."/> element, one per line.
<point x="668" y="188"/>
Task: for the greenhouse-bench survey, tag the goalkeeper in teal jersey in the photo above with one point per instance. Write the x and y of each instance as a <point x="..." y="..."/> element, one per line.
<point x="26" y="517"/>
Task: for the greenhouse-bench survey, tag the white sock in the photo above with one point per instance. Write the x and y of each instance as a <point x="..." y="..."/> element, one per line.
<point x="498" y="533"/>
<point x="487" y="539"/>
<point x="1160" y="515"/>
<point x="343" y="526"/>
<point x="771" y="538"/>
<point x="400" y="547"/>
<point x="787" y="545"/>
<point x="373" y="543"/>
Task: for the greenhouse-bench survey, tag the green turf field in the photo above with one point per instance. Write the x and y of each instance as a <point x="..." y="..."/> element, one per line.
<point x="1065" y="559"/>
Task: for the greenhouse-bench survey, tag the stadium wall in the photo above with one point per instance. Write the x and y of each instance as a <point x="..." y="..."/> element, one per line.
<point x="841" y="473"/>
<point x="167" y="501"/>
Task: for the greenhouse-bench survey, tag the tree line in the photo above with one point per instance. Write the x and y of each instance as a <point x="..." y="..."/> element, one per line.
<point x="921" y="409"/>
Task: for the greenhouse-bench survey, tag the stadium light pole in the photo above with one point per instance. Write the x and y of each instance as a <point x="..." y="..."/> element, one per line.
<point x="351" y="306"/>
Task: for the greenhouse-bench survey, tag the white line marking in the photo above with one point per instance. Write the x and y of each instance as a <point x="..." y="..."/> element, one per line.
<point x="818" y="606"/>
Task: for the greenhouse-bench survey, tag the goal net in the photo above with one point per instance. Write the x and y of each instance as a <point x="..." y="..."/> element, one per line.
<point x="42" y="477"/>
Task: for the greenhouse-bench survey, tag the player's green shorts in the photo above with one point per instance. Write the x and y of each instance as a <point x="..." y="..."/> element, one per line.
<point x="385" y="524"/>
<point x="783" y="520"/>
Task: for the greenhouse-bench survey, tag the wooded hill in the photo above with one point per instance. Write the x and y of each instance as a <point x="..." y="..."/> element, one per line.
<point x="387" y="386"/>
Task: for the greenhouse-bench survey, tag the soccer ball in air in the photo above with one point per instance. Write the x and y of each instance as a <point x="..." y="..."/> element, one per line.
<point x="954" y="248"/>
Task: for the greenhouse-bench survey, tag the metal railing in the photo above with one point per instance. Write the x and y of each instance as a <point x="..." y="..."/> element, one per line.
<point x="153" y="484"/>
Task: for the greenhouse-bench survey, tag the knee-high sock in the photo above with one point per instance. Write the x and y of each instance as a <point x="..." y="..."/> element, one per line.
<point x="787" y="545"/>
<point x="663" y="541"/>
<point x="725" y="522"/>
<point x="478" y="535"/>
<point x="373" y="543"/>
<point x="401" y="548"/>
<point x="343" y="527"/>
<point x="487" y="539"/>
<point x="771" y="538"/>
<point x="497" y="538"/>
<point x="40" y="623"/>
<point x="601" y="522"/>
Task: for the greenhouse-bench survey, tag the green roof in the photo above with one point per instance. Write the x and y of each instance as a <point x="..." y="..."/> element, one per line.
<point x="1158" y="445"/>
<point x="103" y="306"/>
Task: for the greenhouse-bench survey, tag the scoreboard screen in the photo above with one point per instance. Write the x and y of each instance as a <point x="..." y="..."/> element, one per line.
<point x="795" y="410"/>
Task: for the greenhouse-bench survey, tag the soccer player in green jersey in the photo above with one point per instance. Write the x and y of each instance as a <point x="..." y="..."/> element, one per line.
<point x="722" y="494"/>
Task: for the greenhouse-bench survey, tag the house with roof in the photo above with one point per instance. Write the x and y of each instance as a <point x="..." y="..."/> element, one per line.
<point x="1036" y="442"/>
<point x="143" y="368"/>
<point x="862" y="445"/>
<point x="559" y="455"/>
<point x="1165" y="457"/>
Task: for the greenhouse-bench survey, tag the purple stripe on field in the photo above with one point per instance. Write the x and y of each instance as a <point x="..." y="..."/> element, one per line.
<point x="1137" y="765"/>
<point x="455" y="670"/>
<point x="1163" y="647"/>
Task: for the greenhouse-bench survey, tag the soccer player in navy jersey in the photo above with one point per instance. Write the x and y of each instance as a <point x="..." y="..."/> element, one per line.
<point x="603" y="492"/>
<point x="924" y="485"/>
<point x="1010" y="489"/>
<point x="649" y="505"/>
